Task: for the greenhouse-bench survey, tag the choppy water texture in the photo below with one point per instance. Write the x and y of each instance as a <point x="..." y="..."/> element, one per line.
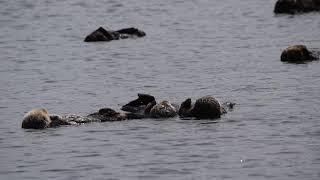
<point x="229" y="49"/>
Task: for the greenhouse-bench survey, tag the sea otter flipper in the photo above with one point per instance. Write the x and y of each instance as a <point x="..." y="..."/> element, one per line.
<point x="185" y="108"/>
<point x="138" y="105"/>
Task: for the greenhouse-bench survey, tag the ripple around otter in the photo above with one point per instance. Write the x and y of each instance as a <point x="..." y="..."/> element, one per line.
<point x="228" y="49"/>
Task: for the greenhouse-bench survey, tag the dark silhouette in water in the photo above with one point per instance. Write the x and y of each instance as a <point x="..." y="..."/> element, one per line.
<point x="132" y="32"/>
<point x="297" y="53"/>
<point x="102" y="34"/>
<point x="294" y="6"/>
<point x="140" y="104"/>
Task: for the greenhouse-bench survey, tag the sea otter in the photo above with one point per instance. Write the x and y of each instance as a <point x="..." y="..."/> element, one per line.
<point x="297" y="53"/>
<point x="40" y="119"/>
<point x="36" y="119"/>
<point x="102" y="34"/>
<point x="163" y="110"/>
<point x="206" y="107"/>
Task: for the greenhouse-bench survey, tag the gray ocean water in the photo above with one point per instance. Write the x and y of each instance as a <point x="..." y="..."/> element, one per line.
<point x="229" y="49"/>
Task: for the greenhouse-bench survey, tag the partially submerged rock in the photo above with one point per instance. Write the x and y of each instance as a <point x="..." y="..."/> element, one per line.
<point x="297" y="53"/>
<point x="102" y="34"/>
<point x="294" y="6"/>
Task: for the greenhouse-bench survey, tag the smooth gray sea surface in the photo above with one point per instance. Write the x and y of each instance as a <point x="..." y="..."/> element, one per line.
<point x="229" y="49"/>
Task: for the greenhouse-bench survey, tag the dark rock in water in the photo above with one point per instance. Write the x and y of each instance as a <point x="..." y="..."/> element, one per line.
<point x="131" y="31"/>
<point x="102" y="34"/>
<point x="206" y="107"/>
<point x="163" y="110"/>
<point x="297" y="53"/>
<point x="293" y="6"/>
<point x="138" y="105"/>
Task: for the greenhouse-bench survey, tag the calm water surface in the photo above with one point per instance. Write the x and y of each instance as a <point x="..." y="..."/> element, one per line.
<point x="229" y="49"/>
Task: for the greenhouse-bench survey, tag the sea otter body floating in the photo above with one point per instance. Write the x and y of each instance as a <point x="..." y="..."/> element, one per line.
<point x="298" y="53"/>
<point x="40" y="118"/>
<point x="102" y="34"/>
<point x="206" y="107"/>
<point x="144" y="106"/>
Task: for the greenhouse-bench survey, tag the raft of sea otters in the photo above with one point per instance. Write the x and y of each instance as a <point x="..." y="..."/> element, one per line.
<point x="145" y="106"/>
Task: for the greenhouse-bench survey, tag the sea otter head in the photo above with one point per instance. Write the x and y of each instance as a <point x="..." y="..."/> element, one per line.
<point x="185" y="108"/>
<point x="206" y="107"/>
<point x="36" y="119"/>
